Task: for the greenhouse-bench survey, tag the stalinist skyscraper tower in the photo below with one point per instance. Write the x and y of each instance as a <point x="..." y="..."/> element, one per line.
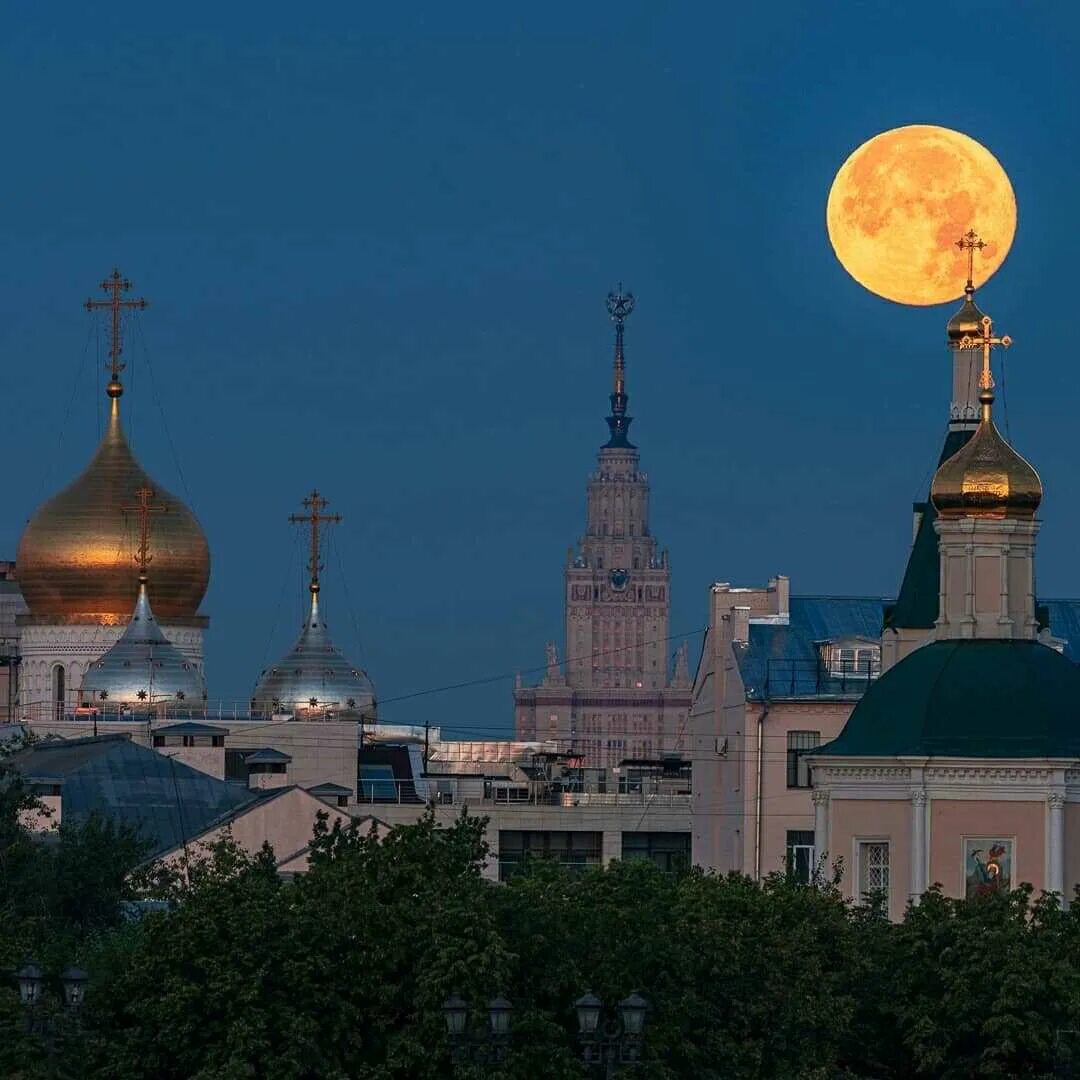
<point x="614" y="700"/>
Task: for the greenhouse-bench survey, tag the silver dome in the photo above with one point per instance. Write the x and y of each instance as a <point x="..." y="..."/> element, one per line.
<point x="313" y="681"/>
<point x="143" y="668"/>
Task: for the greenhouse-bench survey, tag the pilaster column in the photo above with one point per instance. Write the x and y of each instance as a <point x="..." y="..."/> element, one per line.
<point x="821" y="823"/>
<point x="1055" y="843"/>
<point x="918" y="843"/>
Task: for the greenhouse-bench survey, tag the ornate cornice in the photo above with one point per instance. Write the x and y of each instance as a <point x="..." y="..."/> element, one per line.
<point x="981" y="774"/>
<point x="863" y="772"/>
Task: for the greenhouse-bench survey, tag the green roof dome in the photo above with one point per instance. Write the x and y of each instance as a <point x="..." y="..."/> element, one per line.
<point x="979" y="698"/>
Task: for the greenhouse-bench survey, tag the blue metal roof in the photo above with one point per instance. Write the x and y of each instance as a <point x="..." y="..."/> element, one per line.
<point x="1064" y="616"/>
<point x="783" y="660"/>
<point x="164" y="800"/>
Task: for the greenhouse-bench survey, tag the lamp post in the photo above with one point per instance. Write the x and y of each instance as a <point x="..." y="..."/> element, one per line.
<point x="491" y="1046"/>
<point x="611" y="1039"/>
<point x="31" y="982"/>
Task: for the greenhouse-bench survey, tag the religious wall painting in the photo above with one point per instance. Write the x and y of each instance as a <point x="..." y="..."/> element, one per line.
<point x="988" y="865"/>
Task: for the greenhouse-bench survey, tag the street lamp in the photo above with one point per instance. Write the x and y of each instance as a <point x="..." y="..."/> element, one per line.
<point x="455" y="1011"/>
<point x="489" y="1047"/>
<point x="31" y="981"/>
<point x="74" y="980"/>
<point x="499" y="1012"/>
<point x="633" y="1009"/>
<point x="588" y="1008"/>
<point x="45" y="1022"/>
<point x="613" y="1041"/>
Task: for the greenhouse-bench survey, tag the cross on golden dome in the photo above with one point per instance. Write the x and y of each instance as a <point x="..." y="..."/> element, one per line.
<point x="314" y="504"/>
<point x="115" y="284"/>
<point x="144" y="510"/>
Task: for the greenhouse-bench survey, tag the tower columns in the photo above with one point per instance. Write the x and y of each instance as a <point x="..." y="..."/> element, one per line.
<point x="987" y="587"/>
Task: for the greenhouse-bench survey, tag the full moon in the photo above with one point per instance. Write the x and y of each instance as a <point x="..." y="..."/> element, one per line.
<point x="902" y="200"/>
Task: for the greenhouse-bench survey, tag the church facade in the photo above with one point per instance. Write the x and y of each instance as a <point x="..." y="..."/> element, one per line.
<point x="782" y="675"/>
<point x="960" y="767"/>
<point x="614" y="698"/>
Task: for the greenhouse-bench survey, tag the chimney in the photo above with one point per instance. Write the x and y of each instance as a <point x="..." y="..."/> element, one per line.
<point x="780" y="595"/>
<point x="740" y="624"/>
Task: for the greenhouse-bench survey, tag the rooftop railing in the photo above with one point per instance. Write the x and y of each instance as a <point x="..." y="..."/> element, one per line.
<point x="814" y="678"/>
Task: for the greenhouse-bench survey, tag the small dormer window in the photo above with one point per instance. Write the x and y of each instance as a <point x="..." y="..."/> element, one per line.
<point x="854" y="659"/>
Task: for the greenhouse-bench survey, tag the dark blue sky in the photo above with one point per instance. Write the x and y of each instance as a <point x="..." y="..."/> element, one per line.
<point x="377" y="240"/>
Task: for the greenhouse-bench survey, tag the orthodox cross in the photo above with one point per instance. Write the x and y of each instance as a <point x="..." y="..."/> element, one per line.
<point x="970" y="242"/>
<point x="314" y="504"/>
<point x="986" y="341"/>
<point x="619" y="305"/>
<point x="144" y="510"/>
<point x="115" y="285"/>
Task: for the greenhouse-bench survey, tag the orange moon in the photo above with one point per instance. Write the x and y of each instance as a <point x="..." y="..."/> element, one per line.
<point x="902" y="200"/>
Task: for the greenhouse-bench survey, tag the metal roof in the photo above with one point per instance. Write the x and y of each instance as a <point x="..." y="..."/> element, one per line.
<point x="190" y="727"/>
<point x="328" y="788"/>
<point x="970" y="698"/>
<point x="164" y="800"/>
<point x="784" y="659"/>
<point x="267" y="756"/>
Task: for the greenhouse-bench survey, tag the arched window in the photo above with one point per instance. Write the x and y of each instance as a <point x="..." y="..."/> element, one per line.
<point x="58" y="690"/>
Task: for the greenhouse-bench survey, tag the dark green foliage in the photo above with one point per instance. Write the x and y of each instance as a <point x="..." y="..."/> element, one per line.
<point x="342" y="972"/>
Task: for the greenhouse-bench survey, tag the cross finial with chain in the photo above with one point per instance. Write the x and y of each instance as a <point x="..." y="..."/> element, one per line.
<point x="315" y="504"/>
<point x="970" y="242"/>
<point x="986" y="341"/>
<point x="144" y="510"/>
<point x="115" y="285"/>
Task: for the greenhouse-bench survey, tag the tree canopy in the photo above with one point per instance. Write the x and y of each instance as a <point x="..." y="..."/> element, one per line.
<point x="342" y="972"/>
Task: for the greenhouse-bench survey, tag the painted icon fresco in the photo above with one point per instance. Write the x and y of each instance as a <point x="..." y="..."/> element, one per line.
<point x="987" y="865"/>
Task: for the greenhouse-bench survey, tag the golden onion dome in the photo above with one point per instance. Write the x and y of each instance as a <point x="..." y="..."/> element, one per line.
<point x="75" y="556"/>
<point x="967" y="322"/>
<point x="986" y="477"/>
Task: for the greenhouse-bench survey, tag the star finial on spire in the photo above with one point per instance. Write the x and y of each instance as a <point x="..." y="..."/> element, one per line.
<point x="619" y="305"/>
<point x="314" y="504"/>
<point x="116" y="284"/>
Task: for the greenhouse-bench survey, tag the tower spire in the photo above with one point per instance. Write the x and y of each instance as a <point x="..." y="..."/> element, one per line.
<point x="115" y="284"/>
<point x="314" y="504"/>
<point x="144" y="510"/>
<point x="619" y="304"/>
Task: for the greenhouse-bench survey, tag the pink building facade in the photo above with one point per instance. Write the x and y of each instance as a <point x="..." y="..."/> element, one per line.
<point x="960" y="766"/>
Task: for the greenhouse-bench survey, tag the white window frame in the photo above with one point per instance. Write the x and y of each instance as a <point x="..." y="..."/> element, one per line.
<point x="853" y="669"/>
<point x="857" y="843"/>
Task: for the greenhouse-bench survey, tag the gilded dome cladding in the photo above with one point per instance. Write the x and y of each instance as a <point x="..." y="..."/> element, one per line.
<point x="313" y="681"/>
<point x="967" y="322"/>
<point x="75" y="555"/>
<point x="986" y="477"/>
